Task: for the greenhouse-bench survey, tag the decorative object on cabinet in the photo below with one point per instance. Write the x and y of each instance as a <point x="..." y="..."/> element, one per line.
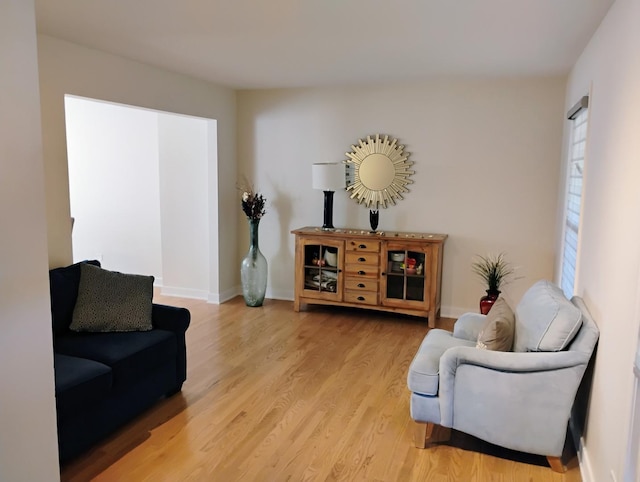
<point x="328" y="177"/>
<point x="331" y="257"/>
<point x="370" y="270"/>
<point x="378" y="171"/>
<point x="494" y="271"/>
<point x="374" y="216"/>
<point x="253" y="268"/>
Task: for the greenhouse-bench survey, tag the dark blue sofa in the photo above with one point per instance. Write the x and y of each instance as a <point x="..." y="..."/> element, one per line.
<point x="103" y="380"/>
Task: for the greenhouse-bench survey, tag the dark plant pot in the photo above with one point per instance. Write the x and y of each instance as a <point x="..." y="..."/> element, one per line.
<point x="487" y="301"/>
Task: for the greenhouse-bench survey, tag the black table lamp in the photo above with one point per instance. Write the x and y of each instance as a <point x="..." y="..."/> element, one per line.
<point x="328" y="177"/>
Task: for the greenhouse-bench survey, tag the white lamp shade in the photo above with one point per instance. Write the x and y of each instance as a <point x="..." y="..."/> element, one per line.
<point x="328" y="176"/>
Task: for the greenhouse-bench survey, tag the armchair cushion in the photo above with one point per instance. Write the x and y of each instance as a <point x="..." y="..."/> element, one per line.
<point x="498" y="329"/>
<point x="545" y="319"/>
<point x="110" y="301"/>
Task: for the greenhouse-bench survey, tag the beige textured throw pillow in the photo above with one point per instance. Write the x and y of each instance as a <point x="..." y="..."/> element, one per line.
<point x="498" y="329"/>
<point x="111" y="301"/>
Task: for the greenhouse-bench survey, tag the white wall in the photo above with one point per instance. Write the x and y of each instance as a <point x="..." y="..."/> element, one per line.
<point x="28" y="443"/>
<point x="486" y="153"/>
<point x="184" y="204"/>
<point x="67" y="68"/>
<point x="609" y="261"/>
<point x="114" y="185"/>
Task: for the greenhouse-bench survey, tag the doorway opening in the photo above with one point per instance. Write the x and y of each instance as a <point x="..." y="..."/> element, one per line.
<point x="143" y="193"/>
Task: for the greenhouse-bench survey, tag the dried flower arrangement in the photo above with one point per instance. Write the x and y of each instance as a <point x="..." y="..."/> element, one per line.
<point x="252" y="202"/>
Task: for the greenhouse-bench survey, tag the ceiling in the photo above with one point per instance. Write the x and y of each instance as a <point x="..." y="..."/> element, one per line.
<point x="255" y="44"/>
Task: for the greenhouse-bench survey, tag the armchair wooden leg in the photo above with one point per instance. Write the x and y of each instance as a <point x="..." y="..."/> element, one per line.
<point x="420" y="435"/>
<point x="428" y="433"/>
<point x="556" y="464"/>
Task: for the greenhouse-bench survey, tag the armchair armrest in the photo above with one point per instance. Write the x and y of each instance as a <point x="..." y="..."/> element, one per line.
<point x="170" y="318"/>
<point x="505" y="361"/>
<point x="468" y="326"/>
<point x="528" y="394"/>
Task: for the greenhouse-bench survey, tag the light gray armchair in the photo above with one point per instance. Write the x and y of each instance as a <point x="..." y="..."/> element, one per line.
<point x="521" y="399"/>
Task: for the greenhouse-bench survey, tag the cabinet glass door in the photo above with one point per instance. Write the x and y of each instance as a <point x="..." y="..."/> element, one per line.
<point x="322" y="267"/>
<point x="405" y="275"/>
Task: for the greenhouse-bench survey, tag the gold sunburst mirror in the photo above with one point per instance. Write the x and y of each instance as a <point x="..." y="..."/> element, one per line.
<point x="378" y="171"/>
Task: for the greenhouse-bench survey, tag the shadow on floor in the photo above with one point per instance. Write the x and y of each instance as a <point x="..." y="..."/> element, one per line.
<point x="468" y="442"/>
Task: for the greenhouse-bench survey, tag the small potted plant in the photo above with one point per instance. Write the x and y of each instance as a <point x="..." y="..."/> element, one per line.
<point x="495" y="271"/>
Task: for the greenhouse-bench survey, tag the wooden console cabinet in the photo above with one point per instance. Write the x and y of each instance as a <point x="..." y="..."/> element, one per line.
<point x="355" y="268"/>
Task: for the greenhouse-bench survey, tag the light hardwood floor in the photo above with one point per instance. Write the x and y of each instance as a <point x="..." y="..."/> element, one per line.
<point x="274" y="395"/>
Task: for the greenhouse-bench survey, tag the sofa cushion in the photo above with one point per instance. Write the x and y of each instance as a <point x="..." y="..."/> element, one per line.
<point x="63" y="287"/>
<point x="498" y="329"/>
<point x="424" y="371"/>
<point x="111" y="301"/>
<point x="130" y="355"/>
<point x="545" y="319"/>
<point x="79" y="383"/>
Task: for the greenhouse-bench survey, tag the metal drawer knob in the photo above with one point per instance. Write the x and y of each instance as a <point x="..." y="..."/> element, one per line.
<point x="360" y="298"/>
<point x="361" y="273"/>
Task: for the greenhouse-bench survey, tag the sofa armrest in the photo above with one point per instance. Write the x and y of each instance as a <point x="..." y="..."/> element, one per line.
<point x="170" y="318"/>
<point x="468" y="326"/>
<point x="177" y="320"/>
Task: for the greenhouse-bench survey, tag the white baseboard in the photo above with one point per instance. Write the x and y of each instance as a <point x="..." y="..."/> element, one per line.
<point x="586" y="472"/>
<point x="184" y="292"/>
<point x="285" y="295"/>
<point x="233" y="292"/>
<point x="280" y="295"/>
<point x="219" y="298"/>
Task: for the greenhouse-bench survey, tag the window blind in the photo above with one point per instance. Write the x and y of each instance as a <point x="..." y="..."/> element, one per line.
<point x="578" y="115"/>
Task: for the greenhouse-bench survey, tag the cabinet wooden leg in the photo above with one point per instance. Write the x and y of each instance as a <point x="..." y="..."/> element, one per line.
<point x="432" y="319"/>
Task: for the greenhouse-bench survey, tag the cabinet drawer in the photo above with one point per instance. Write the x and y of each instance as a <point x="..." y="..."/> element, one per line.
<point x="361" y="271"/>
<point x="370" y="245"/>
<point x="362" y="297"/>
<point x="361" y="284"/>
<point x="363" y="258"/>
